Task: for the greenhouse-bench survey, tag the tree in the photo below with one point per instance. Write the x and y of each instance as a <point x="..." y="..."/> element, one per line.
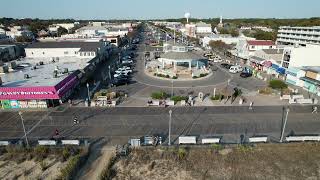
<point x="218" y="45"/>
<point x="223" y="31"/>
<point x="234" y="33"/>
<point x="62" y="31"/>
<point x="262" y="35"/>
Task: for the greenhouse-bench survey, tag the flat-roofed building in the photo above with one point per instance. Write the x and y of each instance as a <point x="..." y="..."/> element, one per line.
<point x="298" y="35"/>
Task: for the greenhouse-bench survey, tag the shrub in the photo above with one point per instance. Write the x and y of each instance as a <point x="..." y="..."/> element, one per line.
<point x="43" y="165"/>
<point x="266" y="90"/>
<point x="67" y="171"/>
<point x="195" y="77"/>
<point x="277" y="84"/>
<point x="203" y="75"/>
<point x="217" y="147"/>
<point x="159" y="95"/>
<point x="178" y="98"/>
<point x="65" y="153"/>
<point x="108" y="172"/>
<point x="167" y="76"/>
<point x="174" y="77"/>
<point x="41" y="152"/>
<point x="216" y="97"/>
<point x="182" y="153"/>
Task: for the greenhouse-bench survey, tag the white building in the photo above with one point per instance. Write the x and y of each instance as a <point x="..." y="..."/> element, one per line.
<point x="301" y="56"/>
<point x="247" y="48"/>
<point x="203" y="28"/>
<point x="226" y="38"/>
<point x="298" y="35"/>
<point x="65" y="49"/>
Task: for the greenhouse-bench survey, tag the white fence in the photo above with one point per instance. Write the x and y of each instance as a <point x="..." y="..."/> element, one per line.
<point x="47" y="142"/>
<point x="4" y="143"/>
<point x="70" y="142"/>
<point x="187" y="140"/>
<point x="302" y="138"/>
<point x="258" y="139"/>
<point x="210" y="140"/>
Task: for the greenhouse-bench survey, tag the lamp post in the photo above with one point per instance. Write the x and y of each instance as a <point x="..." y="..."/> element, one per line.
<point x="88" y="92"/>
<point x="284" y="125"/>
<point x="170" y="112"/>
<point x="24" y="129"/>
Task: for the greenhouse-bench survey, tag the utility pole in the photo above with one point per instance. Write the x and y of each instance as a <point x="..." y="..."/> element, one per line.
<point x="285" y="123"/>
<point x="171" y="88"/>
<point x="174" y="34"/>
<point x="170" y="112"/>
<point x="24" y="129"/>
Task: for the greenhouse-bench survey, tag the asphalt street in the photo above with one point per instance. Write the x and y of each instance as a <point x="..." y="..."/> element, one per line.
<point x="227" y="122"/>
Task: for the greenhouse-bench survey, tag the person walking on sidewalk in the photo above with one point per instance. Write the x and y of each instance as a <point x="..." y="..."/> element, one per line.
<point x="315" y="110"/>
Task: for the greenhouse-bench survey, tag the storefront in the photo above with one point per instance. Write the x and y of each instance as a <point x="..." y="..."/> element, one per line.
<point x="37" y="96"/>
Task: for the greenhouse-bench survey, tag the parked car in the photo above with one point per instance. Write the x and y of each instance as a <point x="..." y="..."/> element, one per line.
<point x="121" y="74"/>
<point x="235" y="69"/>
<point x="217" y="59"/>
<point x="127" y="61"/>
<point x="245" y="74"/>
<point x="225" y="65"/>
<point x="126" y="57"/>
<point x="119" y="82"/>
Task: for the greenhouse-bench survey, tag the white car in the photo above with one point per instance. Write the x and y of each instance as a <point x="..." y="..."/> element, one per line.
<point x="235" y="69"/>
<point x="123" y="71"/>
<point x="126" y="68"/>
<point x="217" y="59"/>
<point x="127" y="62"/>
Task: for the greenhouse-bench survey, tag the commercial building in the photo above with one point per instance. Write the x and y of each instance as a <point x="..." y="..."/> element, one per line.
<point x="305" y="77"/>
<point x="298" y="35"/>
<point x="226" y="38"/>
<point x="45" y="80"/>
<point x="301" y="56"/>
<point x="64" y="49"/>
<point x="247" y="48"/>
<point x="203" y="28"/>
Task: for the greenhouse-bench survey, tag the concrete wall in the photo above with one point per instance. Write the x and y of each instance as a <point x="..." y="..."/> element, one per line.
<point x="305" y="56"/>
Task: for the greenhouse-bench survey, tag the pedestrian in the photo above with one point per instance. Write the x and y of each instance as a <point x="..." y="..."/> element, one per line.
<point x="315" y="110"/>
<point x="251" y="105"/>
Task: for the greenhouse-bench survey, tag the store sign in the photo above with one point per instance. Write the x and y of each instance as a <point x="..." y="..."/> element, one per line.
<point x="25" y="93"/>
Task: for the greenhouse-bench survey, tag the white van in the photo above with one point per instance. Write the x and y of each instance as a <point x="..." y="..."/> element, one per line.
<point x="235" y="69"/>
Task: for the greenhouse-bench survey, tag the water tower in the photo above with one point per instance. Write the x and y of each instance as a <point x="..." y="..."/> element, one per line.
<point x="187" y="16"/>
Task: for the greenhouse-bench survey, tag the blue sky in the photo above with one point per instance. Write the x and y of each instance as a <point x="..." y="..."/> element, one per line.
<point x="148" y="9"/>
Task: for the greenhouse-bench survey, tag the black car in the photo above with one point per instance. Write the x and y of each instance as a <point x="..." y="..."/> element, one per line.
<point x="245" y="74"/>
<point x="120" y="82"/>
<point x="225" y="65"/>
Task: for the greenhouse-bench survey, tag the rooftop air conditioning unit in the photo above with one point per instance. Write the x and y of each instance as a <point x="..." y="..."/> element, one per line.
<point x="65" y="70"/>
<point x="26" y="76"/>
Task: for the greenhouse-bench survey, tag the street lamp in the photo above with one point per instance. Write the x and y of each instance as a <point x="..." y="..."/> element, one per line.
<point x="284" y="125"/>
<point x="24" y="130"/>
<point x="170" y="112"/>
<point x="88" y="92"/>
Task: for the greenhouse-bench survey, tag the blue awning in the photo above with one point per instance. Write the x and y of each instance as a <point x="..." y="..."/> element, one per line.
<point x="274" y="66"/>
<point x="281" y="70"/>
